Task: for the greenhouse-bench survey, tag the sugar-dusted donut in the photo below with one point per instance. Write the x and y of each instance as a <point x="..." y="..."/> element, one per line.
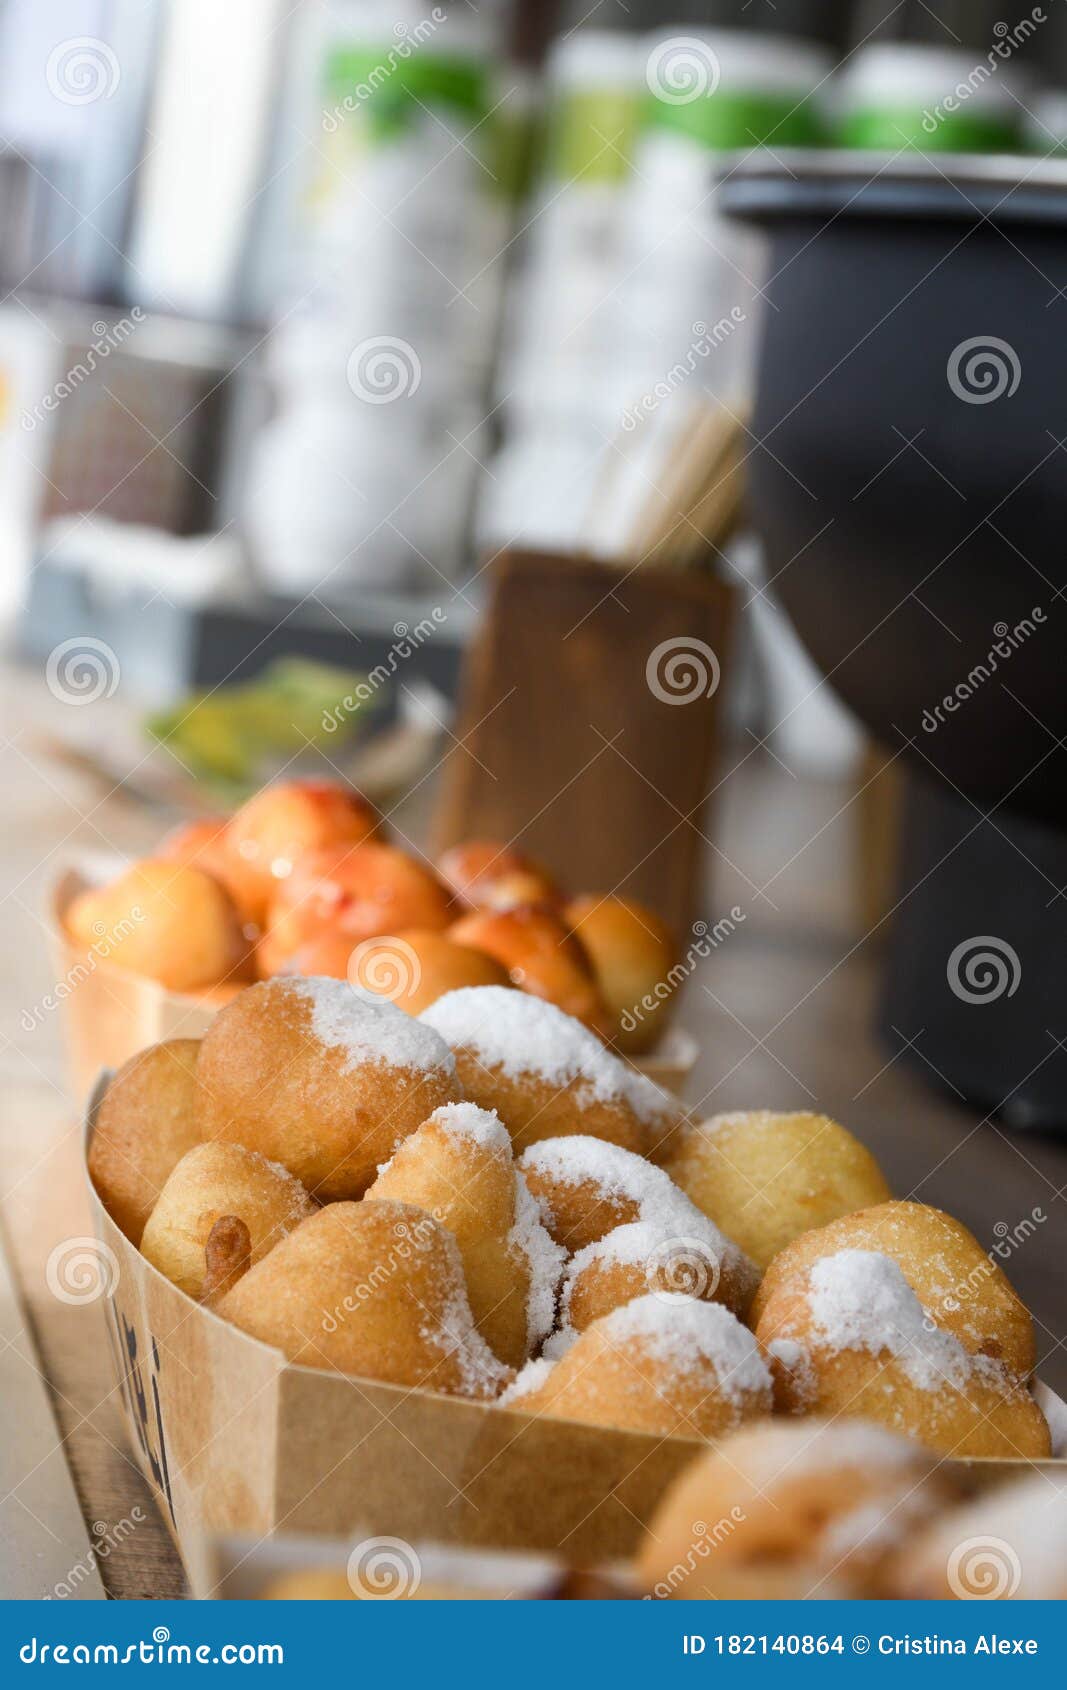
<point x="957" y="1282"/>
<point x="633" y="953"/>
<point x="210" y="1181"/>
<point x="355" y="892"/>
<point x="372" y="1289"/>
<point x="789" y="1511"/>
<point x="848" y="1335"/>
<point x="543" y="1072"/>
<point x="279" y="825"/>
<point x="1010" y="1543"/>
<point x="169" y="921"/>
<point x="541" y="957"/>
<point x="459" y="1166"/>
<point x="320" y="1077"/>
<point x="631" y="1231"/>
<point x="674" y="1367"/>
<point x="765" y="1177"/>
<point x="144" y="1126"/>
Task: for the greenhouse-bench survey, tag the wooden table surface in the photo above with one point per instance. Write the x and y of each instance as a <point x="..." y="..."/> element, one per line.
<point x="782" y="1010"/>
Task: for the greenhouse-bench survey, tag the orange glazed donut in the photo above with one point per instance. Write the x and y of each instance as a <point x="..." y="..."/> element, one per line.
<point x="355" y="891"/>
<point x="632" y="953"/>
<point x="415" y="968"/>
<point x="320" y="1077"/>
<point x="269" y="834"/>
<point x="543" y="1072"/>
<point x="166" y="920"/>
<point x="203" y="844"/>
<point x="540" y="956"/>
<point x="484" y="874"/>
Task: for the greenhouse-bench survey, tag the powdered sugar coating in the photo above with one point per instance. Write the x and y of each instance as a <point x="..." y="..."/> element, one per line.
<point x="688" y="1337"/>
<point x="529" y="1379"/>
<point x="482" y="1127"/>
<point x="544" y="1259"/>
<point x="454" y="1333"/>
<point x="520" y="1034"/>
<point x="366" y="1027"/>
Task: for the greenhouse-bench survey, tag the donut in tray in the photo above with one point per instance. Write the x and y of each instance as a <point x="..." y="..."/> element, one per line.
<point x="145" y="1124"/>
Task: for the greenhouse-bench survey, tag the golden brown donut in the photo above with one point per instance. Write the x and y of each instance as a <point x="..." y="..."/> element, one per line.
<point x="956" y="1281"/>
<point x="764" y="1177"/>
<point x="356" y="892"/>
<point x="371" y="1289"/>
<point x="144" y="1126"/>
<point x="631" y="1231"/>
<point x="459" y="1166"/>
<point x="1010" y="1543"/>
<point x="203" y="844"/>
<point x="169" y="921"/>
<point x="485" y="874"/>
<point x="848" y="1335"/>
<point x="541" y="957"/>
<point x="789" y="1511"/>
<point x="320" y="1077"/>
<point x="210" y="1181"/>
<point x="279" y="825"/>
<point x="543" y="1073"/>
<point x="633" y="953"/>
<point x="670" y="1366"/>
<point x="416" y="967"/>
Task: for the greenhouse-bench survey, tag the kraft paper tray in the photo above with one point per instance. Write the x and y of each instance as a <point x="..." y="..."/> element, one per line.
<point x="233" y="1439"/>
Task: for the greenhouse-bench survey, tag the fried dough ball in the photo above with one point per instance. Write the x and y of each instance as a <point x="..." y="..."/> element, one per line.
<point x="1009" y="1543"/>
<point x="320" y="1077"/>
<point x="543" y="1073"/>
<point x="541" y="957"/>
<point x="354" y="891"/>
<point x="372" y="1289"/>
<point x="273" y="830"/>
<point x="631" y="1231"/>
<point x="415" y="968"/>
<point x="953" y="1277"/>
<point x="459" y="1165"/>
<point x="168" y="921"/>
<point x="485" y="874"/>
<point x="848" y="1335"/>
<point x="211" y="1181"/>
<point x="764" y="1178"/>
<point x="144" y="1126"/>
<point x="203" y="844"/>
<point x="632" y="953"/>
<point x="670" y="1366"/>
<point x="786" y="1511"/>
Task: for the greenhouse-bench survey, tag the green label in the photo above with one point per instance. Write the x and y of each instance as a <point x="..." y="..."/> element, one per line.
<point x="889" y="128"/>
<point x="390" y="86"/>
<point x="591" y="135"/>
<point x="726" y="121"/>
